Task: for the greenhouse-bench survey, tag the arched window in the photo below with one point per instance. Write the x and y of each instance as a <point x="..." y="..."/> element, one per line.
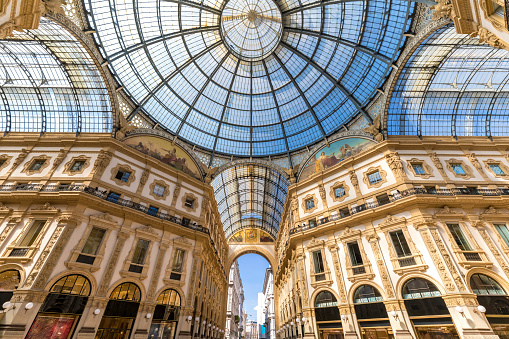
<point x="166" y="315"/>
<point x="418" y="288"/>
<point x="326" y="307"/>
<point x="369" y="304"/>
<point x="62" y="308"/>
<point x="484" y="285"/>
<point x="366" y="294"/>
<point x="120" y="313"/>
<point x="491" y="295"/>
<point x="422" y="298"/>
<point x="9" y="281"/>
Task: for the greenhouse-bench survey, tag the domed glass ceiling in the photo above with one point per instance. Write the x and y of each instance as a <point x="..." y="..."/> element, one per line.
<point x="250" y="77"/>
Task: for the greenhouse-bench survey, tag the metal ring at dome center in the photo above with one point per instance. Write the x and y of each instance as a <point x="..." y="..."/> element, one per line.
<point x="251" y="28"/>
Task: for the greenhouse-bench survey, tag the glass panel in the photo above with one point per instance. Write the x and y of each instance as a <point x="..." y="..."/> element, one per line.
<point x="159" y="190"/>
<point x="9" y="280"/>
<point x="374" y="177"/>
<point x="366" y="294"/>
<point x="318" y="261"/>
<point x="77" y="165"/>
<point x="400" y="244"/>
<point x="51" y="327"/>
<point x="355" y="253"/>
<point x="32" y="233"/>
<point x="458" y="169"/>
<point x="418" y="169"/>
<point x="416" y="288"/>
<point x="503" y="231"/>
<point x="339" y="191"/>
<point x="310" y="203"/>
<point x="94" y="241"/>
<point x="484" y="285"/>
<point x="496" y="169"/>
<point x="140" y="252"/>
<point x="459" y="237"/>
<point x="178" y="261"/>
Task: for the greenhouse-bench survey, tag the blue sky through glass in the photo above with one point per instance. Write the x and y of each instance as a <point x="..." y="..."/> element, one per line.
<point x="252" y="272"/>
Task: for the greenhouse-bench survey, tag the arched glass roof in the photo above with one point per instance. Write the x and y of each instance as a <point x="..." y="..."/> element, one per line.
<point x="250" y="78"/>
<point x="452" y="85"/>
<point x="49" y="83"/>
<point x="250" y="195"/>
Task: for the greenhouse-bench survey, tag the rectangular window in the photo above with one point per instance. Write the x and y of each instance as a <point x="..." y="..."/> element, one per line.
<point x="318" y="262"/>
<point x="113" y="197"/>
<point x="355" y="253"/>
<point x="496" y="169"/>
<point x="383" y="199"/>
<point x="458" y="169"/>
<point x="152" y="210"/>
<point x="189" y="202"/>
<point x="77" y="165"/>
<point x="503" y="231"/>
<point x="431" y="189"/>
<point x="310" y="203"/>
<point x="159" y="190"/>
<point x="459" y="237"/>
<point x="140" y="252"/>
<point x="400" y="244"/>
<point x="178" y="261"/>
<point x="32" y="233"/>
<point x="122" y="175"/>
<point x="312" y="223"/>
<point x="374" y="177"/>
<point x="94" y="241"/>
<point x="37" y="165"/>
<point x="418" y="169"/>
<point x="344" y="212"/>
<point x="339" y="191"/>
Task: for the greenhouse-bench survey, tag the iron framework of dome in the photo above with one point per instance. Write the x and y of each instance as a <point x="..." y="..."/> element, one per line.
<point x="49" y="83"/>
<point x="250" y="195"/>
<point x="249" y="78"/>
<point x="452" y="85"/>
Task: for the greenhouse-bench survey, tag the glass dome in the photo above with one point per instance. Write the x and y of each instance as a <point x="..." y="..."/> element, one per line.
<point x="250" y="78"/>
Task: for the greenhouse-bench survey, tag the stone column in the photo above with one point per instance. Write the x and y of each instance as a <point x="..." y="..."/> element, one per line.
<point x="399" y="319"/>
<point x="89" y="320"/>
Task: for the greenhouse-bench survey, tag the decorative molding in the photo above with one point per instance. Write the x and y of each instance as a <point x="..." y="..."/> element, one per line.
<point x="102" y="161"/>
<point x="490" y="15"/>
<point x="445" y="211"/>
<point x="46" y="207"/>
<point x="315" y="201"/>
<point x="339" y="184"/>
<point x="176" y="193"/>
<point x="6" y="161"/>
<point x="392" y="221"/>
<point x="162" y="184"/>
<point x="51" y="254"/>
<point x="500" y="164"/>
<point x="144" y="177"/>
<point x="427" y="168"/>
<point x="374" y="129"/>
<point x="58" y="160"/>
<point x="26" y="167"/>
<point x="383" y="175"/>
<point x="112" y="263"/>
<point x="468" y="170"/>
<point x="125" y="168"/>
<point x="354" y="180"/>
<point x="382" y="269"/>
<point x="68" y="165"/>
<point x="395" y="164"/>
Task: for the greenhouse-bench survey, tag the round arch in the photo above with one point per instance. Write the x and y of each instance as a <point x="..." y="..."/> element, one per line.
<point x="140" y="285"/>
<point x="170" y="287"/>
<point x="86" y="274"/>
<point x="503" y="282"/>
<point x="358" y="284"/>
<point x="246" y="249"/>
<point x="17" y="267"/>
<point x="321" y="289"/>
<point x="405" y="278"/>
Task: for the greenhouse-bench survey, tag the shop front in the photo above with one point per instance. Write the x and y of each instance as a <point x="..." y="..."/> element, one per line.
<point x="166" y="316"/>
<point x="328" y="319"/>
<point x="427" y="310"/>
<point x="371" y="313"/>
